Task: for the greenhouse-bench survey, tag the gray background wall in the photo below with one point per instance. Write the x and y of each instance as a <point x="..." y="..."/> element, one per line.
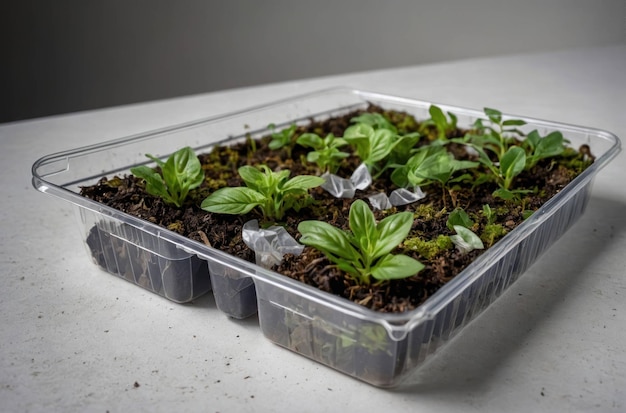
<point x="64" y="56"/>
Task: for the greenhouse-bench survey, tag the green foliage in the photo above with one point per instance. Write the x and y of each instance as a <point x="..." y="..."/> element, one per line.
<point x="540" y="148"/>
<point x="511" y="164"/>
<point x="428" y="249"/>
<point x="491" y="233"/>
<point x="371" y="145"/>
<point x="273" y="192"/>
<point x="282" y="139"/>
<point x="325" y="154"/>
<point x="497" y="136"/>
<point x="180" y="173"/>
<point x="431" y="164"/>
<point x="459" y="217"/>
<point x="489" y="214"/>
<point x="441" y="123"/>
<point x="364" y="252"/>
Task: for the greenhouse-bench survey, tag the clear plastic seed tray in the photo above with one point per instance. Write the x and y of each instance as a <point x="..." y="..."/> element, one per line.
<point x="378" y="348"/>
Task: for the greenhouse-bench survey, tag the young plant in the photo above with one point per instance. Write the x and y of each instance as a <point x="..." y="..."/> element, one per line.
<point x="371" y="145"/>
<point x="459" y="217"/>
<point x="282" y="139"/>
<point x="434" y="164"/>
<point x="325" y="154"/>
<point x="180" y="173"/>
<point x="489" y="214"/>
<point x="364" y="252"/>
<point x="495" y="137"/>
<point x="511" y="164"/>
<point x="539" y="148"/>
<point x="273" y="192"/>
<point x="440" y="121"/>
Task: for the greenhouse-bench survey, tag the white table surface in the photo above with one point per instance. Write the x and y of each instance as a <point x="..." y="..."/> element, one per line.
<point x="73" y="338"/>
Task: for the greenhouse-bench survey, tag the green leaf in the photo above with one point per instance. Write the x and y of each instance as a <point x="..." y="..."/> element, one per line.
<point x="381" y="144"/>
<point x="252" y="177"/>
<point x="235" y="201"/>
<point x="393" y="267"/>
<point x="347" y="266"/>
<point x="359" y="137"/>
<point x="495" y="116"/>
<point x="438" y="116"/>
<point x="459" y="217"/>
<point x="301" y="183"/>
<point x="276" y="144"/>
<point x="513" y="122"/>
<point x="489" y="214"/>
<point x="182" y="172"/>
<point x="358" y="131"/>
<point x="154" y="182"/>
<point x="503" y="193"/>
<point x="310" y="140"/>
<point x="551" y="145"/>
<point x="156" y="160"/>
<point x="328" y="239"/>
<point x="532" y="140"/>
<point x="313" y="156"/>
<point x="391" y="232"/>
<point x="363" y="226"/>
<point x="179" y="174"/>
<point x="513" y="162"/>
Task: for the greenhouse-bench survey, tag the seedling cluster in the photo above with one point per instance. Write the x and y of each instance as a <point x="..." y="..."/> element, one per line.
<point x="495" y="152"/>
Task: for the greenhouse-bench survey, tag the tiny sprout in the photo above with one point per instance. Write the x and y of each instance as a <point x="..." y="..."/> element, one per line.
<point x="179" y="174"/>
<point x="273" y="192"/>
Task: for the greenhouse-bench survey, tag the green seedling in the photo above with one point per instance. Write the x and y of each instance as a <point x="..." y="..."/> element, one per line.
<point x="489" y="214"/>
<point x="282" y="139"/>
<point x="436" y="166"/>
<point x="538" y="148"/>
<point x="440" y="121"/>
<point x="459" y="217"/>
<point x="325" y="154"/>
<point x="364" y="252"/>
<point x="371" y="145"/>
<point x="180" y="173"/>
<point x="511" y="164"/>
<point x="496" y="137"/>
<point x="273" y="192"/>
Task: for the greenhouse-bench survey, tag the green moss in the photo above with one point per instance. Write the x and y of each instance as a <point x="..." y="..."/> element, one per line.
<point x="428" y="249"/>
<point x="176" y="227"/>
<point x="492" y="233"/>
<point x="428" y="212"/>
<point x="215" y="184"/>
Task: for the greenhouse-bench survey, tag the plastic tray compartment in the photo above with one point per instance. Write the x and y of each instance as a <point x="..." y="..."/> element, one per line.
<point x="380" y="349"/>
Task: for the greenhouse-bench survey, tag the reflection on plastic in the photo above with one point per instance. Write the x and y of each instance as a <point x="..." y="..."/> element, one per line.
<point x="269" y="245"/>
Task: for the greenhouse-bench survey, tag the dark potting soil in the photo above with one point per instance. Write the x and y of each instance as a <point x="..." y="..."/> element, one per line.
<point x="548" y="177"/>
